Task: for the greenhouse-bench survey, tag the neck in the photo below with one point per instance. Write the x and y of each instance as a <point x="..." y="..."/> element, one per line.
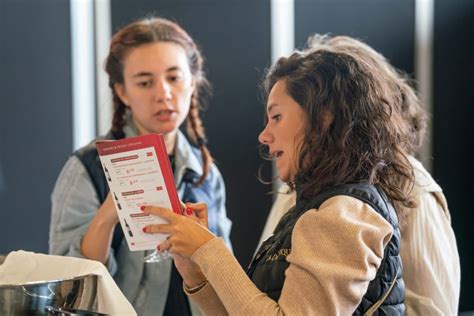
<point x="170" y="141"/>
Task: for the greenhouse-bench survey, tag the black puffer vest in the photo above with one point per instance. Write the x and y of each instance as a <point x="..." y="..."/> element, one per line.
<point x="267" y="269"/>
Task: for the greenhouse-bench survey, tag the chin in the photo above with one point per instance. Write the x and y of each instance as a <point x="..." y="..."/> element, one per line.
<point x="165" y="129"/>
<point x="283" y="177"/>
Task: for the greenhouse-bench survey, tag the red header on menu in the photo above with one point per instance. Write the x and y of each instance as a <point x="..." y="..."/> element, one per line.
<point x="156" y="141"/>
<point x="108" y="147"/>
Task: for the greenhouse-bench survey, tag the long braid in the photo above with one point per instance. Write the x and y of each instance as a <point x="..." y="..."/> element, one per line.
<point x="118" y="119"/>
<point x="196" y="133"/>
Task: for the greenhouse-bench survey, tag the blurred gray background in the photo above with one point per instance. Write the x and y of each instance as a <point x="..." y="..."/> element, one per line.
<point x="39" y="109"/>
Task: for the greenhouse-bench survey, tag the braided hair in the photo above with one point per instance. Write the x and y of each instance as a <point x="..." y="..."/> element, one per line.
<point x="152" y="30"/>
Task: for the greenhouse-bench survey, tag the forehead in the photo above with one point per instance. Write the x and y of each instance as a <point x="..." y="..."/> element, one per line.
<point x="157" y="56"/>
<point x="278" y="95"/>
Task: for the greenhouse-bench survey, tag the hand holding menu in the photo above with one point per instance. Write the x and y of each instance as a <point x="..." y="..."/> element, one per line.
<point x="139" y="173"/>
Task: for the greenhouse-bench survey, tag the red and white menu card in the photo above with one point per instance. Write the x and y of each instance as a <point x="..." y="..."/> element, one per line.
<point x="139" y="173"/>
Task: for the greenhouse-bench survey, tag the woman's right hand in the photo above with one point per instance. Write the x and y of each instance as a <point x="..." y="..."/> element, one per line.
<point x="190" y="271"/>
<point x="186" y="233"/>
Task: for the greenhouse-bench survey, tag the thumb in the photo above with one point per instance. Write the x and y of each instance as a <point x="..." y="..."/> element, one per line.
<point x="200" y="209"/>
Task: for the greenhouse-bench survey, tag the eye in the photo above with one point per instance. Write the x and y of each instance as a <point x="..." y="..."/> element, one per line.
<point x="144" y="84"/>
<point x="174" y="78"/>
<point x="276" y="117"/>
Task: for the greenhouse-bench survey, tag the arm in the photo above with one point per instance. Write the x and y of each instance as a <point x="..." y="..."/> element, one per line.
<point x="74" y="205"/>
<point x="335" y="254"/>
<point x="97" y="239"/>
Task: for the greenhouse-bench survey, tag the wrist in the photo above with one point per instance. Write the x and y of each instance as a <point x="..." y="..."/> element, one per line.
<point x="195" y="288"/>
<point x="193" y="281"/>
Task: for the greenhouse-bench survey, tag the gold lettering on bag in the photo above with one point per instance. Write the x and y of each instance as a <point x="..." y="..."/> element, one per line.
<point x="283" y="252"/>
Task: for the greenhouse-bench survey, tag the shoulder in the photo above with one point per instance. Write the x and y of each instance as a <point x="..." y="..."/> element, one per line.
<point x="344" y="215"/>
<point x="74" y="177"/>
<point x="423" y="179"/>
<point x="86" y="153"/>
<point x="346" y="208"/>
<point x="90" y="151"/>
<point x="72" y="168"/>
<point x="89" y="158"/>
<point x="363" y="192"/>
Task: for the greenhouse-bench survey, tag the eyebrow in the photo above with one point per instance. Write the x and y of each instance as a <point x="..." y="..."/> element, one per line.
<point x="142" y="74"/>
<point x="148" y="74"/>
<point x="271" y="107"/>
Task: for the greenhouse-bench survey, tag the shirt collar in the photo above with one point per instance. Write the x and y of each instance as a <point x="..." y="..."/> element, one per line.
<point x="185" y="158"/>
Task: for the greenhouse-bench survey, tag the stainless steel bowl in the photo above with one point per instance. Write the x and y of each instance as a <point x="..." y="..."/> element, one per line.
<point x="44" y="297"/>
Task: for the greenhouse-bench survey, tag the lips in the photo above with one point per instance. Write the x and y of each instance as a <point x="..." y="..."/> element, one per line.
<point x="276" y="154"/>
<point x="164" y="115"/>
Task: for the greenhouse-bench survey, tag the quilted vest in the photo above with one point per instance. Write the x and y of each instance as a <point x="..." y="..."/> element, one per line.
<point x="267" y="269"/>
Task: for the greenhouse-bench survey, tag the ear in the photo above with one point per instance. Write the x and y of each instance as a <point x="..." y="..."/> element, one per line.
<point x="193" y="85"/>
<point x="119" y="89"/>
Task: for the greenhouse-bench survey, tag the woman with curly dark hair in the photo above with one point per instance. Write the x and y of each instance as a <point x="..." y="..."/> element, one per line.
<point x="431" y="268"/>
<point x="335" y="134"/>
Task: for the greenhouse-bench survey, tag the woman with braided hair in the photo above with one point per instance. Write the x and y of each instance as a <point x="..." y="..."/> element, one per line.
<point x="156" y="76"/>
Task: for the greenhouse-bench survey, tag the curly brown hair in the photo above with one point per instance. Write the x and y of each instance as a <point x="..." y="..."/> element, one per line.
<point x="152" y="30"/>
<point x="399" y="81"/>
<point x="364" y="142"/>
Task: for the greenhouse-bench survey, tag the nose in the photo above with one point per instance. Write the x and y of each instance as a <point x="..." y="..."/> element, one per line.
<point x="265" y="137"/>
<point x="162" y="91"/>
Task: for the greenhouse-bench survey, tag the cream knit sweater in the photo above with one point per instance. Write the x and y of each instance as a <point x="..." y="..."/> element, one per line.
<point x="336" y="251"/>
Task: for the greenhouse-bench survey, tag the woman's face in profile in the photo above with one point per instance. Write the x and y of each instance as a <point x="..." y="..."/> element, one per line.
<point x="158" y="86"/>
<point x="284" y="131"/>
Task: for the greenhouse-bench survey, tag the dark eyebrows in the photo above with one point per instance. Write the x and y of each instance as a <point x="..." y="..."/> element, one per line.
<point x="174" y="68"/>
<point x="142" y="74"/>
<point x="149" y="74"/>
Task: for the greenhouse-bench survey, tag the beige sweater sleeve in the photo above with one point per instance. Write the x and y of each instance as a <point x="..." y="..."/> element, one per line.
<point x="336" y="252"/>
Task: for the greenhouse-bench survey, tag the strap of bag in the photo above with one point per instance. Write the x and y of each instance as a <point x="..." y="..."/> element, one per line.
<point x="377" y="304"/>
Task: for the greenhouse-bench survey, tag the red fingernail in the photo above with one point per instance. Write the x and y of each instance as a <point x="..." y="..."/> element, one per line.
<point x="189" y="211"/>
<point x="144" y="229"/>
<point x="158" y="248"/>
<point x="142" y="207"/>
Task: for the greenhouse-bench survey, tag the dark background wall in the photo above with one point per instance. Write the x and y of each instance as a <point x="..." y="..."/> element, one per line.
<point x="36" y="116"/>
<point x="453" y="118"/>
<point x="387" y="26"/>
<point x="36" y="119"/>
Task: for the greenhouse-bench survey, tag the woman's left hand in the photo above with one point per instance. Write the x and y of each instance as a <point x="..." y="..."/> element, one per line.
<point x="186" y="234"/>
